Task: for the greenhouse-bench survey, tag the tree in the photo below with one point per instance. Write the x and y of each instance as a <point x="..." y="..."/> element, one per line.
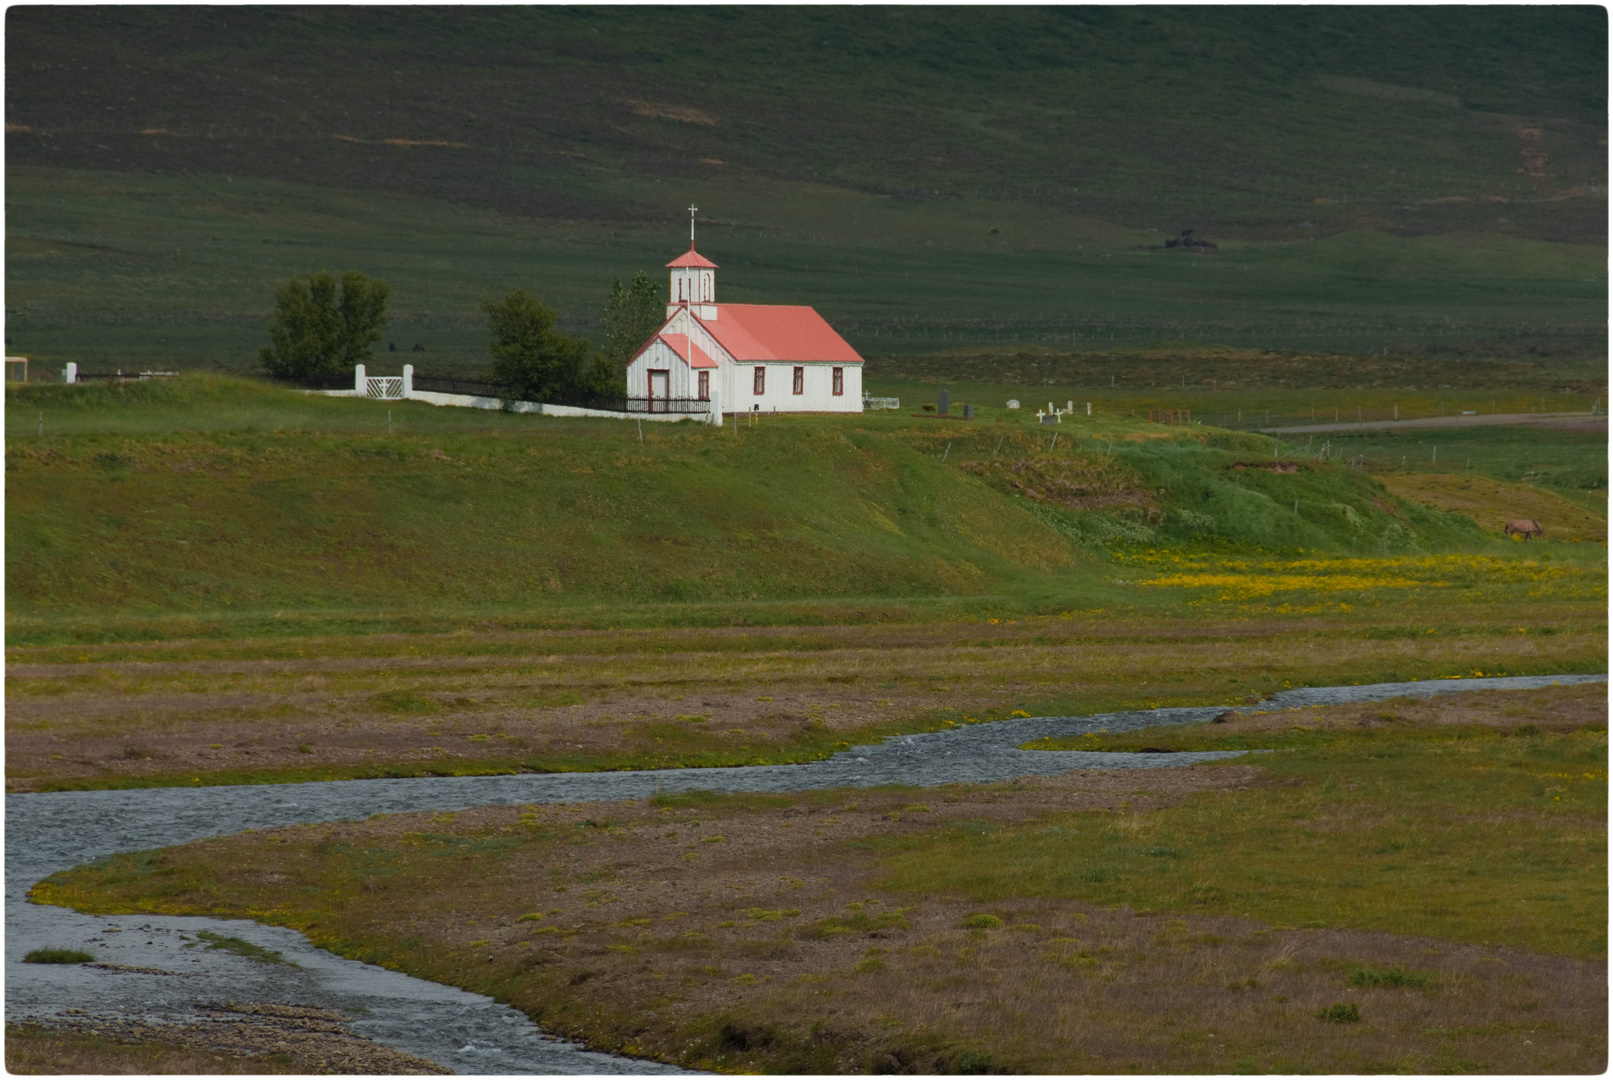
<point x="322" y="327"/>
<point x="631" y="316"/>
<point x="530" y="360"/>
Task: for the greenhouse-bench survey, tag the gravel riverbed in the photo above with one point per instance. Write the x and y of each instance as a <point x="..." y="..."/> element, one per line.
<point x="153" y="971"/>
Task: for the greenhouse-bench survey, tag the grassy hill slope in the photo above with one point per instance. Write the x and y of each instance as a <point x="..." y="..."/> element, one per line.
<point x="522" y="512"/>
<point x="212" y="495"/>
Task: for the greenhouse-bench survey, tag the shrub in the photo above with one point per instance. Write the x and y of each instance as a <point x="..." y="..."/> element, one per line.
<point x="57" y="956"/>
<point x="969" y="1063"/>
<point x="533" y="362"/>
<point x="738" y="1035"/>
<point x="322" y="326"/>
<point x="1393" y="978"/>
<point x="1340" y="1013"/>
<point x="981" y="922"/>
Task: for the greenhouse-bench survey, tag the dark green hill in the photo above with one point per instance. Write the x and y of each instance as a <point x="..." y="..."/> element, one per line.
<point x="1244" y="121"/>
<point x="929" y="178"/>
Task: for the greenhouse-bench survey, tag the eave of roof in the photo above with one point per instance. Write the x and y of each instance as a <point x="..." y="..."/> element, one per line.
<point x="691" y="258"/>
<point x="687" y="351"/>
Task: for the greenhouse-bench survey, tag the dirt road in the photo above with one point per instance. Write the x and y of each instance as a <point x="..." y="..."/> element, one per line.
<point x="1577" y="421"/>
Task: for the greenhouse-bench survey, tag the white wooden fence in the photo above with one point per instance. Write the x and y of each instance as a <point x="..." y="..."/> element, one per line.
<point x="395" y="388"/>
<point x="384" y="387"/>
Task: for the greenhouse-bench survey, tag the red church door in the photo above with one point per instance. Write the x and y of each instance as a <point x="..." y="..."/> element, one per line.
<point x="660" y="390"/>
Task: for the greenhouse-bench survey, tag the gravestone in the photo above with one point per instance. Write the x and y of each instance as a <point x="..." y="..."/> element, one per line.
<point x="968" y="412"/>
<point x="943" y="403"/>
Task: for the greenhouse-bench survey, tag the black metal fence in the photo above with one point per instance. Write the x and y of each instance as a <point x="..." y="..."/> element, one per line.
<point x="459" y="384"/>
<point x="445" y="384"/>
<point x="691" y="406"/>
<point x="88" y="376"/>
<point x="330" y="381"/>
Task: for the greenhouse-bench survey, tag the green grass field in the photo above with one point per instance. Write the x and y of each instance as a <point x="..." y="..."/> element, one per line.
<point x="115" y="270"/>
<point x="1378" y="799"/>
<point x="213" y="496"/>
<point x="1363" y="199"/>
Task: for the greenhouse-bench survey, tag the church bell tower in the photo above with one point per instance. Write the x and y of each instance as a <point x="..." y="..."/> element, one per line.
<point x="693" y="282"/>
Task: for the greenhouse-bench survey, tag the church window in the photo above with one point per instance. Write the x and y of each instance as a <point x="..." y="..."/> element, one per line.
<point x="839" y="382"/>
<point x="800" y="381"/>
<point x="760" y="384"/>
<point x="705" y="386"/>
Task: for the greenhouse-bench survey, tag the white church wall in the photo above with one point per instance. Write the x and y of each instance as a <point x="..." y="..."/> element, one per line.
<point x="659" y="356"/>
<point x="853" y="397"/>
<point x="817" y="388"/>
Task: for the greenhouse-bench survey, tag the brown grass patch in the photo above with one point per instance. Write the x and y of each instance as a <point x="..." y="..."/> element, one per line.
<point x="240" y="1039"/>
<point x="1492" y="503"/>
<point x="1568" y="708"/>
<point x="646" y="699"/>
<point x="750" y="933"/>
<point x="661" y="111"/>
<point x="1096" y="483"/>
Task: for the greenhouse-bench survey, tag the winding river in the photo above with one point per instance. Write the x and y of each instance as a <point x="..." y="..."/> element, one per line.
<point x="460" y="1031"/>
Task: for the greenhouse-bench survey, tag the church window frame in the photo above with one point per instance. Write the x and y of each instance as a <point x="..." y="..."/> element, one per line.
<point x="838" y="381"/>
<point x="759" y="381"/>
<point x="798" y="385"/>
<point x="703" y="385"/>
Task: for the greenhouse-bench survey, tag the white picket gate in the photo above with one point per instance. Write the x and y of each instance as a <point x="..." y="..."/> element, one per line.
<point x="384" y="387"/>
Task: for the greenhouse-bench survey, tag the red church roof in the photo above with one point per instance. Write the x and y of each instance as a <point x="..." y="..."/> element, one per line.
<point x="753" y="332"/>
<point x="691" y="258"/>
<point x="692" y="354"/>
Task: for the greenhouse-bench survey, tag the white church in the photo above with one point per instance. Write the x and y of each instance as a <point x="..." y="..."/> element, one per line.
<point x="740" y="357"/>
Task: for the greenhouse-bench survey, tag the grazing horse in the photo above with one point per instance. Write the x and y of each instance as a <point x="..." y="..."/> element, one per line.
<point x="1527" y="528"/>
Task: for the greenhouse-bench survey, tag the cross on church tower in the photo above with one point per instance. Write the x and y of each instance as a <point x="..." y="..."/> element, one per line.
<point x="692" y="283"/>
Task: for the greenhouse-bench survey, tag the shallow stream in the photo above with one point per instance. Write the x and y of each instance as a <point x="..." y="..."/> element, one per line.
<point x="464" y="1032"/>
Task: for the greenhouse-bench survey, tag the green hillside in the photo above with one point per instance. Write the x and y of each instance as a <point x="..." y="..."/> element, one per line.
<point x="208" y="495"/>
<point x="1149" y="117"/>
<point x="466" y="510"/>
<point x="930" y="178"/>
<point x="121" y="270"/>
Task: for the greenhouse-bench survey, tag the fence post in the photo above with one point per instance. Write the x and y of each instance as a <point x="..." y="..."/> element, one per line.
<point x="70" y="372"/>
<point x="716" y="407"/>
<point x="358" y="379"/>
<point x="408" y="380"/>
